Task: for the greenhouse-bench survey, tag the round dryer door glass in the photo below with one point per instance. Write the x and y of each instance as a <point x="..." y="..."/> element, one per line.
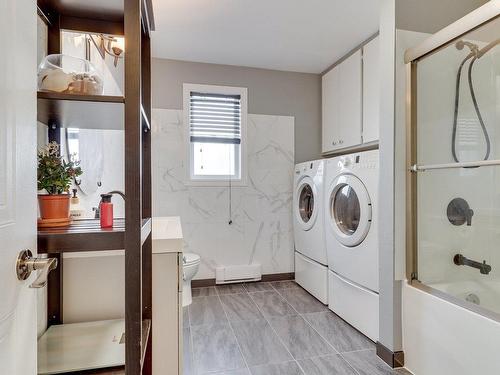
<point x="306" y="203"/>
<point x="346" y="210"/>
<point x="350" y="210"/>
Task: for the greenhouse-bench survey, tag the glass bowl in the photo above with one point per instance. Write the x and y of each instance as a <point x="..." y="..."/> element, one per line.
<point x="69" y="75"/>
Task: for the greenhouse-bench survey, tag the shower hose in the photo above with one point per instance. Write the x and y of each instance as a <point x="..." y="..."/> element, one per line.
<point x="474" y="102"/>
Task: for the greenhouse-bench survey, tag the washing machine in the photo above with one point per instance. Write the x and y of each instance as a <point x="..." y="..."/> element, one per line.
<point x="311" y="263"/>
<point x="351" y="203"/>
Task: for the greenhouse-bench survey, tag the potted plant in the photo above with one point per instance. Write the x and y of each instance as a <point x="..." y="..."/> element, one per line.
<point x="54" y="178"/>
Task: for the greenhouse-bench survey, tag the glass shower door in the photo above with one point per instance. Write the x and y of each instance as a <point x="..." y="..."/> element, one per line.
<point x="455" y="182"/>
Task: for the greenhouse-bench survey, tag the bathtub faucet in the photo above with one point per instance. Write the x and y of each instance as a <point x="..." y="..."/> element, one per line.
<point x="460" y="260"/>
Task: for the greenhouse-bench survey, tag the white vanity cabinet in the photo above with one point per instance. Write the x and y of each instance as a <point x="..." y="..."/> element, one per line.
<point x="342" y="105"/>
<point x="167" y="296"/>
<point x="371" y="91"/>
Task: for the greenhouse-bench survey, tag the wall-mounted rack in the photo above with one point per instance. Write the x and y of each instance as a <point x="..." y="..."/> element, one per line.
<point x="132" y="19"/>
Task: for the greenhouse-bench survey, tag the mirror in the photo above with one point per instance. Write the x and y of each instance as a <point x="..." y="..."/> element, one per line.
<point x="87" y="145"/>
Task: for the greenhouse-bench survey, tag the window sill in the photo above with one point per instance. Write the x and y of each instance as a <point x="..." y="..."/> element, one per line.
<point x="216" y="183"/>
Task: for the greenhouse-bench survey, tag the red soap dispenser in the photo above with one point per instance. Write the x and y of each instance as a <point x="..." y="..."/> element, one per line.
<point x="106" y="211"/>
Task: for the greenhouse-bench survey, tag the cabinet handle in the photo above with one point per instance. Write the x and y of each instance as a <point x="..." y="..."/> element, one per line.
<point x="341" y="141"/>
<point x="334" y="143"/>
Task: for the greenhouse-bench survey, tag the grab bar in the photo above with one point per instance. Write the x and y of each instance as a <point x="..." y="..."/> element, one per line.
<point x="465" y="164"/>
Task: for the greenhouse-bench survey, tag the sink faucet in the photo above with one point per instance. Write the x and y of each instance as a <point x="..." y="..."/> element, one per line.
<point x="460" y="260"/>
<point x="120" y="193"/>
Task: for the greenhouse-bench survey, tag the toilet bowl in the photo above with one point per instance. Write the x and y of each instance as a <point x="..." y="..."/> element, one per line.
<point x="191" y="263"/>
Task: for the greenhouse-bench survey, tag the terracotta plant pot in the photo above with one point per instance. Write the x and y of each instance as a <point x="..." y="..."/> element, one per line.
<point x="53" y="206"/>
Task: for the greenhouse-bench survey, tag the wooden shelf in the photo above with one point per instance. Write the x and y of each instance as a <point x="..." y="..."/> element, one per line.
<point x="87" y="235"/>
<point x="109" y="10"/>
<point x="95" y="10"/>
<point x="67" y="348"/>
<point x="82" y="235"/>
<point x="89" y="348"/>
<point x="108" y="371"/>
<point x="81" y="111"/>
<point x="134" y="20"/>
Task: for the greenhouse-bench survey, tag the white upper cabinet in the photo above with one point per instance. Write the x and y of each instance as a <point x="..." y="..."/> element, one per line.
<point x="371" y="91"/>
<point x="341" y="104"/>
<point x="351" y="92"/>
<point x="330" y="109"/>
<point x="351" y="85"/>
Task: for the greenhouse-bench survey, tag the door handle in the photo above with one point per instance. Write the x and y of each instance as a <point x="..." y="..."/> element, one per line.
<point x="26" y="264"/>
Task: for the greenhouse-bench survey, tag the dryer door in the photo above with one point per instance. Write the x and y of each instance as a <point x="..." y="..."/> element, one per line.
<point x="350" y="210"/>
<point x="305" y="205"/>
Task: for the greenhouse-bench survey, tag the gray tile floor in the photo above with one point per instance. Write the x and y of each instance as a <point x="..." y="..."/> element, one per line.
<point x="272" y="328"/>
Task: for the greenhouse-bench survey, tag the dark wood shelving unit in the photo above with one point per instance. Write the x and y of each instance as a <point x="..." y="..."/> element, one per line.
<point x="81" y="111"/>
<point x="134" y="20"/>
<point x="86" y="235"/>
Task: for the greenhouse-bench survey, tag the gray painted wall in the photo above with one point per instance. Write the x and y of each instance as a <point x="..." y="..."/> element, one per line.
<point x="270" y="92"/>
<point x="430" y="16"/>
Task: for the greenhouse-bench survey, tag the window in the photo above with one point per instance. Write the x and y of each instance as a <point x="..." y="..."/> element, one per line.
<point x="216" y="121"/>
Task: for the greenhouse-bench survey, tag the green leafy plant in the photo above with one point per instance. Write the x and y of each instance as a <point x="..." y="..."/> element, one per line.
<point x="54" y="173"/>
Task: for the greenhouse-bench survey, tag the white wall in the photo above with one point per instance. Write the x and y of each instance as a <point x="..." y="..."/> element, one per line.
<point x="261" y="211"/>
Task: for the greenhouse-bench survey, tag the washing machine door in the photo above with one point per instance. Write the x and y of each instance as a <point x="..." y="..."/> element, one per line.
<point x="306" y="203"/>
<point x="350" y="210"/>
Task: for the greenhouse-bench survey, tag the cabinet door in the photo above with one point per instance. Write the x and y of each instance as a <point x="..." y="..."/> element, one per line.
<point x="330" y="110"/>
<point x="167" y="319"/>
<point x="350" y="101"/>
<point x="371" y="91"/>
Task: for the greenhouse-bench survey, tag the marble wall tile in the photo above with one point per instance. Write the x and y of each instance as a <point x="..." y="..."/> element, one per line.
<point x="261" y="211"/>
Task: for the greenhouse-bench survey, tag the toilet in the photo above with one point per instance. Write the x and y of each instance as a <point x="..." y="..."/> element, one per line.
<point x="191" y="263"/>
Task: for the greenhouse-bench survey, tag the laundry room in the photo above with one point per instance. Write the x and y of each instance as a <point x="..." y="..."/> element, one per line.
<point x="252" y="187"/>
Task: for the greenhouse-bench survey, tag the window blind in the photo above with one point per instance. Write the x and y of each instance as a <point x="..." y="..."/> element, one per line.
<point x="215" y="118"/>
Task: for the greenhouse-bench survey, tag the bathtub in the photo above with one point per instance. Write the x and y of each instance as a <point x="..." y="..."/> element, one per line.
<point x="485" y="293"/>
<point x="440" y="337"/>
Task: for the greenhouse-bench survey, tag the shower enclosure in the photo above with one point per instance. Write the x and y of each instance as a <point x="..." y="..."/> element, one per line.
<point x="453" y="197"/>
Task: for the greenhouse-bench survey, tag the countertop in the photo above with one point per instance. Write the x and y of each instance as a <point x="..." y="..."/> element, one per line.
<point x="167" y="238"/>
<point x="167" y="235"/>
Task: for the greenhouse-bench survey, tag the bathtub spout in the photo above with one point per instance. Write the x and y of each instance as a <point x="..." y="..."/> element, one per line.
<point x="483" y="268"/>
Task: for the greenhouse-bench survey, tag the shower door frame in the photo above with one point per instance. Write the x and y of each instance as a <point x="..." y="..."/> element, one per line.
<point x="450" y="34"/>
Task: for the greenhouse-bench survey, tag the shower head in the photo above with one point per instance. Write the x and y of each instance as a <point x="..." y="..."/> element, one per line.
<point x="473" y="47"/>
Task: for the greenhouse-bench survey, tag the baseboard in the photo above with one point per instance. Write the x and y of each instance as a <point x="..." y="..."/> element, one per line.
<point x="200" y="283"/>
<point x="393" y="359"/>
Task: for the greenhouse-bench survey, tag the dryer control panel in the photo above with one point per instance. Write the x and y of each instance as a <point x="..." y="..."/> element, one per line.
<point x="366" y="160"/>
